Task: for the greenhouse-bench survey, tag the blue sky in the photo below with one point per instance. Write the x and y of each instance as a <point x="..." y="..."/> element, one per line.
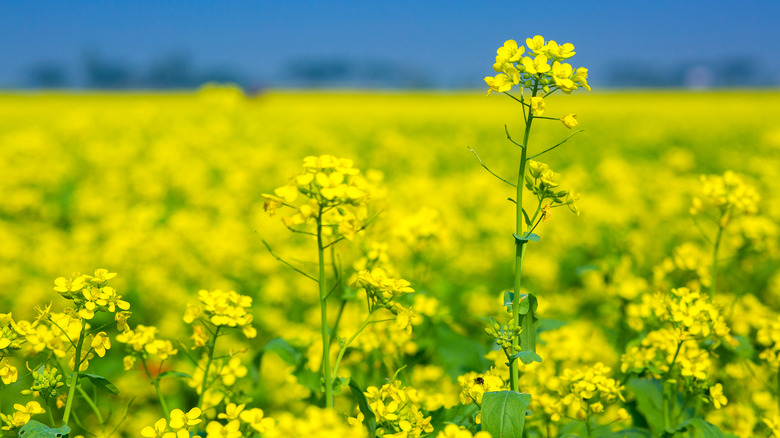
<point x="452" y="42"/>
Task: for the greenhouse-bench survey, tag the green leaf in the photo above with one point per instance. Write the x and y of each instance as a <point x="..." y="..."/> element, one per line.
<point x="503" y="413"/>
<point x="284" y="350"/>
<point x="369" y="419"/>
<point x="35" y="429"/>
<point x="649" y="402"/>
<point x="339" y="383"/>
<point x="531" y="237"/>
<point x="527" y="357"/>
<point x="101" y="382"/>
<point x="174" y="374"/>
<point x="705" y="429"/>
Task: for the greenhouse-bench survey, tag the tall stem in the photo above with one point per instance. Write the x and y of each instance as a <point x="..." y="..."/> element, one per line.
<point x="205" y="384"/>
<point x="326" y="376"/>
<point x="156" y="383"/>
<point x="715" y="260"/>
<point x="519" y="253"/>
<point x="74" y="379"/>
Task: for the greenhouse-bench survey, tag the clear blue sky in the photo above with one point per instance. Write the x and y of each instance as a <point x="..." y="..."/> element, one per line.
<point x="451" y="41"/>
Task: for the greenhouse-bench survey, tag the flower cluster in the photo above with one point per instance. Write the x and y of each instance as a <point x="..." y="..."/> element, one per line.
<point x="142" y="342"/>
<point x="663" y="352"/>
<point x="22" y="414"/>
<point x="729" y="195"/>
<point x="383" y="291"/>
<point x="91" y="293"/>
<point x="239" y="422"/>
<point x="223" y="373"/>
<point x="397" y="410"/>
<point x="543" y="182"/>
<point x="474" y="385"/>
<point x="768" y="336"/>
<point x="178" y="427"/>
<point x="220" y="308"/>
<point x="46" y="383"/>
<point x="690" y="312"/>
<point x="329" y="184"/>
<point x="453" y="431"/>
<point x="315" y="423"/>
<point x="588" y="390"/>
<point x="546" y="65"/>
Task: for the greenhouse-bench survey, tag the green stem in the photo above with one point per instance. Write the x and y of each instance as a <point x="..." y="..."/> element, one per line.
<point x="205" y="385"/>
<point x="326" y="376"/>
<point x="94" y="408"/>
<point x="49" y="411"/>
<point x="519" y="253"/>
<point x="715" y="260"/>
<point x="156" y="384"/>
<point x="349" y="341"/>
<point x="665" y="403"/>
<point x="587" y="421"/>
<point x="74" y="379"/>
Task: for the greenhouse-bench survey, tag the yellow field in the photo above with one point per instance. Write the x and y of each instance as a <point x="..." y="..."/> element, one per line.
<point x="166" y="191"/>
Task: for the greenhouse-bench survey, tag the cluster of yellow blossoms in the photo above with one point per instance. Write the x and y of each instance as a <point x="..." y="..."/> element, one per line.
<point x="690" y="312"/>
<point x="329" y="184"/>
<point x="142" y="343"/>
<point x="178" y="427"/>
<point x="383" y="291"/>
<point x="315" y="423"/>
<point x="22" y="414"/>
<point x="220" y="308"/>
<point x="588" y="390"/>
<point x="727" y="194"/>
<point x="546" y="66"/>
<point x="90" y="293"/>
<point x="543" y="182"/>
<point x="398" y="411"/>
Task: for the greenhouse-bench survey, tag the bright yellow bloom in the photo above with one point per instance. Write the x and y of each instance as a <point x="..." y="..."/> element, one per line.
<point x="254" y="417"/>
<point x="509" y="53"/>
<point x="561" y="74"/>
<point x="569" y="120"/>
<point x="180" y="420"/>
<point x="25" y="412"/>
<point x="500" y="83"/>
<point x="230" y="430"/>
<point x="717" y="397"/>
<point x="537" y="65"/>
<point x="8" y="373"/>
<point x="101" y="343"/>
<point x="537" y="106"/>
<point x="536" y="44"/>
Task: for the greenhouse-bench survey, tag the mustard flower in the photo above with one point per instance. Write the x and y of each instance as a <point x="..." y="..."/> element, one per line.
<point x="537" y="105"/>
<point x="569" y="120"/>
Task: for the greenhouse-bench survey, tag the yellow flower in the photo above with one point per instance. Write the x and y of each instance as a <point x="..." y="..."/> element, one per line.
<point x="561" y="74"/>
<point x="180" y="420"/>
<point x="537" y="65"/>
<point x="569" y="120"/>
<point x="509" y="53"/>
<point x="254" y="417"/>
<point x="230" y="430"/>
<point x="537" y="106"/>
<point x="536" y="44"/>
<point x="101" y="343"/>
<point x="25" y="412"/>
<point x="159" y="429"/>
<point x="232" y="412"/>
<point x="8" y="374"/>
<point x="500" y="83"/>
<point x="716" y="394"/>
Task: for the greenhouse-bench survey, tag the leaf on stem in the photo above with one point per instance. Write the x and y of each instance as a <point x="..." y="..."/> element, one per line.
<point x="101" y="382"/>
<point x="36" y="429"/>
<point x="503" y="413"/>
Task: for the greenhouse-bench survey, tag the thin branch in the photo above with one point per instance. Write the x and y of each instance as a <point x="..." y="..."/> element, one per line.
<point x="562" y="142"/>
<point x="510" y="138"/>
<point x="491" y="172"/>
<point x="300" y="231"/>
<point x="701" y="230"/>
<point x="519" y="100"/>
<point x="286" y="262"/>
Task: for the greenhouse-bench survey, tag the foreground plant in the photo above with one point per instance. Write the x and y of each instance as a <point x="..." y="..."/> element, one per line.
<point x="334" y="208"/>
<point x="536" y="77"/>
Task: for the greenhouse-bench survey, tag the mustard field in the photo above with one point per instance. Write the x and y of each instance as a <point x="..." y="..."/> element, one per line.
<point x="200" y="205"/>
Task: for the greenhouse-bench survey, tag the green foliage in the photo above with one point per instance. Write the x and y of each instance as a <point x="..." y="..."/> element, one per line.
<point x="503" y="413"/>
<point x="369" y="419"/>
<point x="101" y="382"/>
<point x="35" y="429"/>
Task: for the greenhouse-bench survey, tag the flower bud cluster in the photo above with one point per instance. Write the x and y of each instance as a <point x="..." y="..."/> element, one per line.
<point x="398" y="410"/>
<point x="46" y="381"/>
<point x="589" y="389"/>
<point x="504" y="335"/>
